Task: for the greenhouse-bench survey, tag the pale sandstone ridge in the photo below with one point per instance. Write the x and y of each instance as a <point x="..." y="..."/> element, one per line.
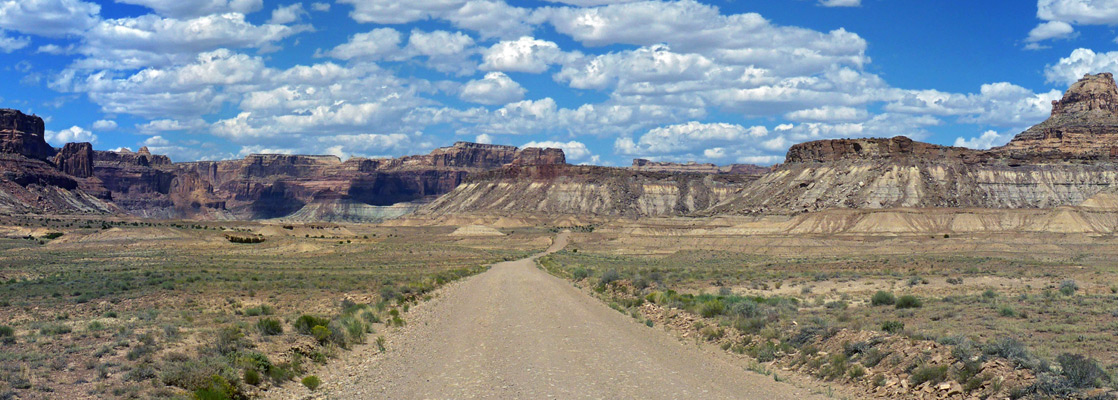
<point x="1062" y="162"/>
<point x="585" y="190"/>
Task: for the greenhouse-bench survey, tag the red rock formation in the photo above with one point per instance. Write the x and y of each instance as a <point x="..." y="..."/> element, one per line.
<point x="23" y="134"/>
<point x="276" y="185"/>
<point x="75" y="159"/>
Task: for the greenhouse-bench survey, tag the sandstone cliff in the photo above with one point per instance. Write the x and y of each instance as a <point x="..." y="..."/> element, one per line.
<point x="586" y="191"/>
<point x="32" y="182"/>
<point x="1083" y="125"/>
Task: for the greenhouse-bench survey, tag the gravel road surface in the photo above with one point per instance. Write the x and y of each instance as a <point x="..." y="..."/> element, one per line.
<point x="516" y="332"/>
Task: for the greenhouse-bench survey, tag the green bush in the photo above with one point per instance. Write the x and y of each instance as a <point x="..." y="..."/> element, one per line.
<point x="883" y="298"/>
<point x="321" y="333"/>
<point x="312" y="382"/>
<point x="892" y="326"/>
<point x="218" y="389"/>
<point x="908" y="301"/>
<point x="305" y="323"/>
<point x="932" y="374"/>
<point x="6" y="331"/>
<point x="269" y="326"/>
<point x="712" y="308"/>
<point x="1007" y="311"/>
<point x="263" y="309"/>
<point x="252" y="377"/>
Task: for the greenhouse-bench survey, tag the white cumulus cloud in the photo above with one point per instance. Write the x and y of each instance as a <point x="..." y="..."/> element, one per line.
<point x="73" y="134"/>
<point x="495" y="88"/>
<point x="52" y="18"/>
<point x="987" y="140"/>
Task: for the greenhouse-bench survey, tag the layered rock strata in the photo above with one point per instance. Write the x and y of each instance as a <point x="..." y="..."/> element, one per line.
<point x="585" y="190"/>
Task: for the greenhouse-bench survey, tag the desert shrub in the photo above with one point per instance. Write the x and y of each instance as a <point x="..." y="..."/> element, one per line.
<point x="262" y="309"/>
<point x="230" y="340"/>
<point x="929" y="373"/>
<point x="195" y="374"/>
<point x="892" y="326"/>
<point x="883" y="298"/>
<point x="764" y="352"/>
<point x="306" y="322"/>
<point x="712" y="333"/>
<point x="269" y="326"/>
<point x="254" y="361"/>
<point x="750" y="325"/>
<point x="745" y="309"/>
<point x="1013" y="350"/>
<point x="321" y="333"/>
<point x="1068" y="287"/>
<point x="6" y="331"/>
<point x="388" y="292"/>
<point x="54" y="329"/>
<point x="245" y="239"/>
<point x="252" y="377"/>
<point x="580" y="273"/>
<point x="219" y="388"/>
<point x="1081" y="371"/>
<point x="712" y="308"/>
<point x="836" y="367"/>
<point x="1007" y="311"/>
<point x="916" y="280"/>
<point x="908" y="301"/>
<point x="312" y="382"/>
<point x="609" y="277"/>
<point x="872" y="357"/>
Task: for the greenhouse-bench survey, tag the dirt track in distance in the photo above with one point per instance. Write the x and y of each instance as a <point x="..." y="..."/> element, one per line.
<point x="517" y="332"/>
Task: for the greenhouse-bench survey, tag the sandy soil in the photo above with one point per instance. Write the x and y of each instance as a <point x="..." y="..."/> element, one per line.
<point x="517" y="332"/>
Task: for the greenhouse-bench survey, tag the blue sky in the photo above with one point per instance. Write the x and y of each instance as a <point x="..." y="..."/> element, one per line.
<point x="607" y="80"/>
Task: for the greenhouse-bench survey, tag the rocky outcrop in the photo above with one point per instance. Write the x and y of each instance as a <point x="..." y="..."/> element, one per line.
<point x="584" y="191"/>
<point x="23" y="134"/>
<point x="75" y="159"/>
<point x="1083" y="125"/>
<point x="34" y="180"/>
<point x="538" y="156"/>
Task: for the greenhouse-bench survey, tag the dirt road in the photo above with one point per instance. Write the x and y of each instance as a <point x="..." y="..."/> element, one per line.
<point x="517" y="332"/>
